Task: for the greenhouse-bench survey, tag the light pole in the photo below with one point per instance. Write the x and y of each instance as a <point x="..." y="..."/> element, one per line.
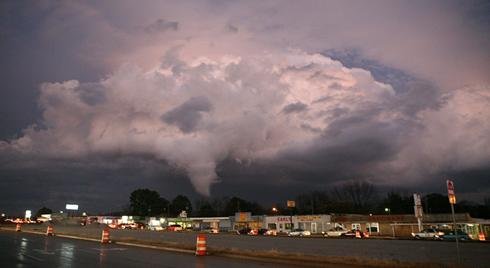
<point x="388" y="210"/>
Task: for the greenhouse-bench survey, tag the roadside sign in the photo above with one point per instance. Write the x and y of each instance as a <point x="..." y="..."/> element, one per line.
<point x="71" y="207"/>
<point x="417" y="205"/>
<point x="416" y="199"/>
<point x="450" y="192"/>
<point x="291" y="204"/>
<point x="452" y="201"/>
<point x="450" y="186"/>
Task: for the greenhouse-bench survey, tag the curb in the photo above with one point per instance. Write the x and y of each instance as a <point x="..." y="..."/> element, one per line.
<point x="156" y="247"/>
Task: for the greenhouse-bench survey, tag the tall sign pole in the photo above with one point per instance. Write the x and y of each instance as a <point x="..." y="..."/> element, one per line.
<point x="418" y="210"/>
<point x="452" y="201"/>
<point x="291" y="205"/>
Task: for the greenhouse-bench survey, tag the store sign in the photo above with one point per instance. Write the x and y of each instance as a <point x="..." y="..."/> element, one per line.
<point x="309" y="218"/>
<point x="243" y="216"/>
<point x="283" y="219"/>
<point x="450" y="192"/>
<point x="71" y="207"/>
<point x="416" y="200"/>
<point x="417" y="206"/>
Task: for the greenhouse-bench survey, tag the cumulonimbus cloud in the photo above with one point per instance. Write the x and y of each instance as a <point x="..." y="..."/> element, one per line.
<point x="197" y="112"/>
<point x="200" y="112"/>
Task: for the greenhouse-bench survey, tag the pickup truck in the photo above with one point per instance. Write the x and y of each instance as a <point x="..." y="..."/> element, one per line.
<point x="335" y="232"/>
<point x="429" y="233"/>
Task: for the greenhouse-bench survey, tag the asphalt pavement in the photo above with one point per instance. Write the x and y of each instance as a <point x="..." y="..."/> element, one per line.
<point x="31" y="250"/>
<point x="472" y="254"/>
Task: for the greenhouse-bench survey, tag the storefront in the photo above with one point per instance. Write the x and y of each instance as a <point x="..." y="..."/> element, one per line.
<point x="222" y="224"/>
<point x="244" y="220"/>
<point x="185" y="223"/>
<point x="404" y="225"/>
<point x="313" y="223"/>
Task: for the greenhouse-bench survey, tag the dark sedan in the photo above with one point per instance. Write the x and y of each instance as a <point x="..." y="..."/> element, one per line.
<point x="451" y="235"/>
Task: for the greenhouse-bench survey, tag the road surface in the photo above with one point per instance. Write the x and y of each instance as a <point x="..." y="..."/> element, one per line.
<point x="473" y="254"/>
<point x="31" y="250"/>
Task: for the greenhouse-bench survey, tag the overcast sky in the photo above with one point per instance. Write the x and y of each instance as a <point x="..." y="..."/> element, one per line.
<point x="260" y="99"/>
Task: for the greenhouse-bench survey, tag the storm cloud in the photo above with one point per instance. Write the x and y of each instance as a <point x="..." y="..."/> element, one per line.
<point x="233" y="93"/>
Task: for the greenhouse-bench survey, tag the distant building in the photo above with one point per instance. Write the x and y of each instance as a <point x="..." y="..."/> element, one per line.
<point x="404" y="225"/>
<point x="316" y="224"/>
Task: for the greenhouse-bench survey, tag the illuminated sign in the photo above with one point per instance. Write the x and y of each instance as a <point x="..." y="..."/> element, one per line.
<point x="309" y="218"/>
<point x="28" y="214"/>
<point x="291" y="204"/>
<point x="283" y="219"/>
<point x="243" y="216"/>
<point x="71" y="207"/>
<point x="450" y="192"/>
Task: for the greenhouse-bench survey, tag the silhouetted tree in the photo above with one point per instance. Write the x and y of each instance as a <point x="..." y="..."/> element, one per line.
<point x="360" y="194"/>
<point x="204" y="208"/>
<point x="316" y="202"/>
<point x="236" y="204"/>
<point x="397" y="203"/>
<point x="43" y="210"/>
<point x="145" y="202"/>
<point x="180" y="203"/>
<point x="436" y="203"/>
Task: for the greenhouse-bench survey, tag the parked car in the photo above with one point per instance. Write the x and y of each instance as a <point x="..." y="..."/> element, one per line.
<point x="299" y="232"/>
<point x="352" y="234"/>
<point x="155" y="228"/>
<point x="262" y="231"/>
<point x="450" y="235"/>
<point x="429" y="233"/>
<point x="335" y="232"/>
<point x="174" y="228"/>
<point x="209" y="230"/>
<point x="271" y="232"/>
<point x="243" y="231"/>
<point x="132" y="226"/>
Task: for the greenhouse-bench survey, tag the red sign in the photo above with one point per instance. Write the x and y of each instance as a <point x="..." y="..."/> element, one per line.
<point x="450" y="187"/>
<point x="291" y="204"/>
<point x="450" y="192"/>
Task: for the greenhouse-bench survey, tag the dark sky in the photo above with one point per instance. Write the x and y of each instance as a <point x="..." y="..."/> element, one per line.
<point x="260" y="99"/>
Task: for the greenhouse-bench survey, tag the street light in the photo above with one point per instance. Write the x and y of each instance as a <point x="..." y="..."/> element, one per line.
<point x="388" y="210"/>
<point x="274" y="209"/>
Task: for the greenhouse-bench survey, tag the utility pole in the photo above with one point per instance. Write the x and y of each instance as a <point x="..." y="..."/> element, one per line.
<point x="291" y="204"/>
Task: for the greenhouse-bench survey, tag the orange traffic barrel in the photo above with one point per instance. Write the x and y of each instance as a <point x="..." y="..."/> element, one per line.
<point x="201" y="245"/>
<point x="481" y="236"/>
<point x="49" y="231"/>
<point x="17" y="227"/>
<point x="358" y="234"/>
<point x="105" y="236"/>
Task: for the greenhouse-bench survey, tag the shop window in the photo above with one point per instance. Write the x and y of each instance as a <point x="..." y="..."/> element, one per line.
<point x="356" y="226"/>
<point x="373" y="227"/>
<point x="271" y="226"/>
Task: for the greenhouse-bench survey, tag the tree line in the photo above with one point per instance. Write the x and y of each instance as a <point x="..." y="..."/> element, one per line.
<point x="357" y="197"/>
